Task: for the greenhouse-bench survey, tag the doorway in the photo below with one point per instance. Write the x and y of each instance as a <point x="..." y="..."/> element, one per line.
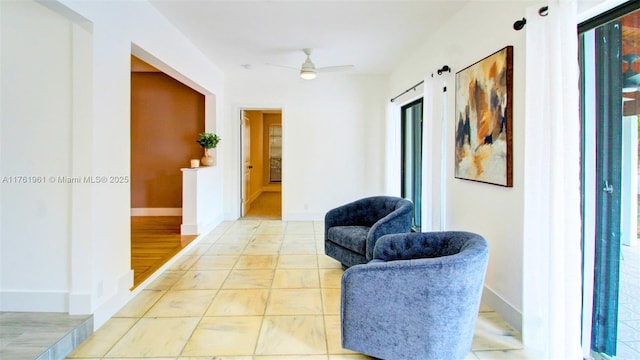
<point x="166" y="117"/>
<point x="261" y="163"/>
<point x="412" y="159"/>
<point x="610" y="48"/>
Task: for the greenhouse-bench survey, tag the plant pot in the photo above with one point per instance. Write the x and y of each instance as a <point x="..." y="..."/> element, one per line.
<point x="207" y="159"/>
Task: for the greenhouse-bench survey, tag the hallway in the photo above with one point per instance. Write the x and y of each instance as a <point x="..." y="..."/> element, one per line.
<point x="267" y="206"/>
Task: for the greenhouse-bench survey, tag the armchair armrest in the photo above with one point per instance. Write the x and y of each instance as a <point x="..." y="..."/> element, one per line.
<point x="398" y="221"/>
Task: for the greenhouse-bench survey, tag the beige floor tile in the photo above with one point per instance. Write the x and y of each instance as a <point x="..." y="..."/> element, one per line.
<point x="262" y="249"/>
<point x="294" y="302"/>
<point x="291" y="357"/>
<point x="239" y="302"/>
<point x="216" y="358"/>
<point x="298" y="262"/>
<point x="334" y="339"/>
<point x="331" y="278"/>
<point x="211" y="237"/>
<point x="166" y="280"/>
<point x="298" y="238"/>
<point x="201" y="280"/>
<point x="212" y="262"/>
<point x="470" y="356"/>
<point x="485" y="308"/>
<point x="331" y="301"/>
<point x="257" y="262"/>
<point x="184" y="262"/>
<point x="349" y="357"/>
<point x="304" y="248"/>
<point x="299" y="227"/>
<point x="160" y="337"/>
<point x="267" y="239"/>
<point x="235" y="239"/>
<point x="198" y="250"/>
<point x="292" y="335"/>
<point x="325" y="262"/>
<point x="228" y="335"/>
<point x="493" y="333"/>
<point x="276" y="227"/>
<point x="503" y="354"/>
<point x="139" y="305"/>
<point x="249" y="279"/>
<point x="182" y="303"/>
<point x="103" y="339"/>
<point x="225" y="249"/>
<point x="296" y="279"/>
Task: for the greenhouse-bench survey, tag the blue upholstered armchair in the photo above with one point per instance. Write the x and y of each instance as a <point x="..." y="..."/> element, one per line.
<point x="417" y="299"/>
<point x="351" y="230"/>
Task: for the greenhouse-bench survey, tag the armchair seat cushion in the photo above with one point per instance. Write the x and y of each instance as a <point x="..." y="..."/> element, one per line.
<point x="353" y="238"/>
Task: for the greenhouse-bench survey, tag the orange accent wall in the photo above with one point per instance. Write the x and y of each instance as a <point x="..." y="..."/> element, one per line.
<point x="166" y="118"/>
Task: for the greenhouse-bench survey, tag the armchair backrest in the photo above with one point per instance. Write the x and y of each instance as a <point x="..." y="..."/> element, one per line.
<point x="366" y="211"/>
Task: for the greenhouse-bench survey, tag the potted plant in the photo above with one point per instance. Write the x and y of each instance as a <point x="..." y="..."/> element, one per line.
<point x="208" y="141"/>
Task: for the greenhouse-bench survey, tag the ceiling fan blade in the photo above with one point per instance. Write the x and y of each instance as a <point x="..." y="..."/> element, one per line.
<point x="334" y="68"/>
<point x="285" y="66"/>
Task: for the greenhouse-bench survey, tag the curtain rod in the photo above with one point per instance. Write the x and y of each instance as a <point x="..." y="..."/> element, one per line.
<point x="444" y="68"/>
<point x="406" y="91"/>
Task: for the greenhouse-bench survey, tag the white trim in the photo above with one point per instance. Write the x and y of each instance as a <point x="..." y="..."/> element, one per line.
<point x="34" y="301"/>
<point x="200" y="228"/>
<point x="156" y="211"/>
<point x="116" y="302"/>
<point x="498" y="304"/>
<point x="589" y="194"/>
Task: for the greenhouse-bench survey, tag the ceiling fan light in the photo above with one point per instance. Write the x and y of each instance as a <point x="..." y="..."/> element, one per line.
<point x="308" y="74"/>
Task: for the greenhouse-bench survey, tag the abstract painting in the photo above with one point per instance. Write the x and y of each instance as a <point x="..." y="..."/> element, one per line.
<point x="483" y="120"/>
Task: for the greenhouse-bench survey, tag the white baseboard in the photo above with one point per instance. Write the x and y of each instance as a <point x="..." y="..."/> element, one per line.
<point x="508" y="312"/>
<point x="112" y="305"/>
<point x="156" y="211"/>
<point x="197" y="229"/>
<point x="34" y="301"/>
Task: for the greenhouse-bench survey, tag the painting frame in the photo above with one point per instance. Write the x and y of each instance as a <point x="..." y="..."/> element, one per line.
<point x="484" y="120"/>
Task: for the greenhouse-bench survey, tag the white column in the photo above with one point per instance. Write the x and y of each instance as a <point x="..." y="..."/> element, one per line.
<point x="198" y="200"/>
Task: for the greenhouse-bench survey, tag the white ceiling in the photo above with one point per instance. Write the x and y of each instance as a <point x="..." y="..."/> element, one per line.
<point x="371" y="35"/>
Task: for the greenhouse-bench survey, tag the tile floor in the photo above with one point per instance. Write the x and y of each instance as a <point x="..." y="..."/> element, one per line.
<point x="628" y="346"/>
<point x="41" y="336"/>
<point x="252" y="290"/>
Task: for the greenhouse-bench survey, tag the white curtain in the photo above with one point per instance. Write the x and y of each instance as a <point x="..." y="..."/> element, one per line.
<point x="552" y="225"/>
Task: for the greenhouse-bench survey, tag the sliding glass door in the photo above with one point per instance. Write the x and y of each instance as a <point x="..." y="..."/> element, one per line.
<point x="610" y="72"/>
<point x="412" y="158"/>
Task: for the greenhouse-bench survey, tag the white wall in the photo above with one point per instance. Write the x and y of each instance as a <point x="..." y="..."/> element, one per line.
<point x="93" y="274"/>
<point x="36" y="133"/>
<point x="333" y="138"/>
<point x="496" y="212"/>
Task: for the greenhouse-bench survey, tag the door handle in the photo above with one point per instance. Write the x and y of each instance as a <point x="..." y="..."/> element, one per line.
<point x="250" y="167"/>
<point x="607" y="187"/>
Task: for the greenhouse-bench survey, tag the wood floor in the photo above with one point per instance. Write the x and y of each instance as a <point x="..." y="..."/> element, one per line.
<point x="154" y="240"/>
<point x="266" y="206"/>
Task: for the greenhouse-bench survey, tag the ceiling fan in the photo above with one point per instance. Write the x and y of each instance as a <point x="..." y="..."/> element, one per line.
<point x="308" y="69"/>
